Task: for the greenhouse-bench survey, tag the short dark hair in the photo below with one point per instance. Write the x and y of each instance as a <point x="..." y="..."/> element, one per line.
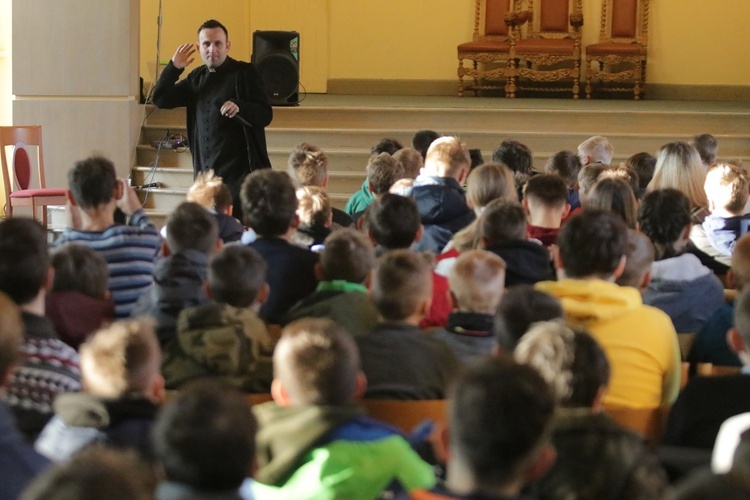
<point x="236" y="273"/>
<point x="191" y="227"/>
<point x="402" y="280"/>
<point x="269" y="202"/>
<point x="393" y="220"/>
<point x="644" y="165"/>
<point x="663" y="216"/>
<point x="422" y="140"/>
<point x="566" y="164"/>
<point x="382" y="171"/>
<point x="592" y="243"/>
<point x="503" y="220"/>
<point x="347" y="255"/>
<point x="707" y="147"/>
<point x="79" y="269"/>
<point x="386" y="145"/>
<point x="499" y="414"/>
<point x="92" y="181"/>
<point x="205" y="437"/>
<point x="549" y="189"/>
<point x="516" y="156"/>
<point x="521" y="306"/>
<point x="211" y="24"/>
<point x="317" y="361"/>
<point x="24" y="260"/>
<point x="614" y="195"/>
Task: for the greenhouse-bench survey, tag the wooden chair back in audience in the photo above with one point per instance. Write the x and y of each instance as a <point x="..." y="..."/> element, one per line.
<point x="686" y="342"/>
<point x="647" y="422"/>
<point x="259" y="398"/>
<point x="711" y="370"/>
<point x="406" y="415"/>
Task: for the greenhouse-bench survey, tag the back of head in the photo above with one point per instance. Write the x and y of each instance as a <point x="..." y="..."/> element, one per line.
<point x="727" y="187"/>
<point x="566" y="164"/>
<point x="24" y="261"/>
<point x="402" y="281"/>
<point x="11" y="335"/>
<point x="79" y="269"/>
<point x="477" y="280"/>
<point x="516" y="156"/>
<point x="317" y="363"/>
<point x="191" y="227"/>
<point x="546" y="190"/>
<point x="121" y="359"/>
<point x="640" y="257"/>
<point x="741" y="262"/>
<point x="269" y="202"/>
<point x="489" y="182"/>
<point x="571" y="361"/>
<point x="499" y="416"/>
<point x="521" y="306"/>
<point x="679" y="166"/>
<point x="447" y="157"/>
<point x="393" y="221"/>
<point x="382" y="171"/>
<point x="347" y="255"/>
<point x="205" y="437"/>
<point x="596" y="149"/>
<point x="588" y="176"/>
<point x="236" y="274"/>
<point x="643" y="164"/>
<point x="616" y="196"/>
<point x="592" y="244"/>
<point x="92" y="181"/>
<point x="422" y="140"/>
<point x="707" y="147"/>
<point x="308" y="165"/>
<point x="386" y="145"/>
<point x="503" y="220"/>
<point x="210" y="192"/>
<point x="314" y="206"/>
<point x="663" y="216"/>
<point x="410" y="161"/>
<point x="625" y="173"/>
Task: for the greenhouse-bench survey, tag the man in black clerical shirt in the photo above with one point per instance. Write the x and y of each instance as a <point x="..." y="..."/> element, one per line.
<point x="227" y="108"/>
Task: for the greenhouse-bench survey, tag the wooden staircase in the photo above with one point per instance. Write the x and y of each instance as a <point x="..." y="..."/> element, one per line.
<point x="346" y="126"/>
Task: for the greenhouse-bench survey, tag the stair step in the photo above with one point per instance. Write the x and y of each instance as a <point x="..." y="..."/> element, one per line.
<point x="167" y="199"/>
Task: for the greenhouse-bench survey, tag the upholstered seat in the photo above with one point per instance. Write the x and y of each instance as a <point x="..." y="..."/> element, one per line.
<point x="30" y="193"/>
<point x="599" y="49"/>
<point x="503" y="47"/>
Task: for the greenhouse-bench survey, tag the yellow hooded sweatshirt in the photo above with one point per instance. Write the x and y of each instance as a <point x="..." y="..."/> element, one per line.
<point x="639" y="340"/>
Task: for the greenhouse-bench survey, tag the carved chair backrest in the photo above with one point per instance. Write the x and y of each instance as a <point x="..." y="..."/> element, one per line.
<point x="493" y="16"/>
<point x="551" y="18"/>
<point x="624" y="21"/>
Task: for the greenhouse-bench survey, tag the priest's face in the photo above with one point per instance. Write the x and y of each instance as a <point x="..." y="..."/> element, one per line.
<point x="213" y="45"/>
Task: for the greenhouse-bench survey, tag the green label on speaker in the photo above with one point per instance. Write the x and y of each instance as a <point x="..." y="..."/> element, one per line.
<point x="294" y="47"/>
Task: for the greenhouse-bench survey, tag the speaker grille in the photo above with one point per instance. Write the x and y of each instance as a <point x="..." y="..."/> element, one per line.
<point x="279" y="73"/>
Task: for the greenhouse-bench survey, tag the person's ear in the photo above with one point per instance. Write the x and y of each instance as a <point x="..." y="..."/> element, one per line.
<point x="566" y="210"/>
<point x="157" y="391"/>
<point x="420" y="233"/>
<point x="295" y="222"/>
<point x="370" y="188"/>
<point x="263" y="294"/>
<point x="463" y="174"/>
<point x="620" y="267"/>
<point x="165" y="251"/>
<point x="279" y="394"/>
<point x="731" y="283"/>
<point x="646" y="281"/>
<point x="369" y="235"/>
<point x="325" y="182"/>
<point x="425" y="306"/>
<point x="217" y="245"/>
<point x="360" y="386"/>
<point x="597" y="406"/>
<point x="734" y="340"/>
<point x="71" y="198"/>
<point x="207" y="289"/>
<point x="229" y="210"/>
<point x="119" y="189"/>
<point x="50" y="280"/>
<point x="318" y="271"/>
<point x="525" y="203"/>
<point x="542" y="462"/>
<point x="368" y="280"/>
<point x="554" y="251"/>
<point x="229" y="45"/>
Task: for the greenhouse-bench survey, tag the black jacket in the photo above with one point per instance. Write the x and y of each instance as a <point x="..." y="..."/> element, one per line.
<point x="527" y="262"/>
<point x="443" y="209"/>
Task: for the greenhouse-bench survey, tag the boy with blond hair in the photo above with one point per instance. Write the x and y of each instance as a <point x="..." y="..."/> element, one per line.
<point x="210" y="192"/>
<point x="545" y="199"/>
<point x="122" y="393"/>
<point x="314" y="440"/>
<point x="315" y="218"/>
<point x="596" y="149"/>
<point x="477" y="281"/>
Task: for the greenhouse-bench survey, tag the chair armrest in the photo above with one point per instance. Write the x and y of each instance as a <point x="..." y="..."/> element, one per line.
<point x="514" y="19"/>
<point x="576" y="20"/>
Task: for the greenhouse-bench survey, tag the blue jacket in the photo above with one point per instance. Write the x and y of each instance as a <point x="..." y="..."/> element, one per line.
<point x="443" y="209"/>
<point x="723" y="232"/>
<point x="19" y="463"/>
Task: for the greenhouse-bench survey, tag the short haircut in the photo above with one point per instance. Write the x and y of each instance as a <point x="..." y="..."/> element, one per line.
<point x="269" y="202"/>
<point x="499" y="416"/>
<point x="92" y="181"/>
<point x="663" y="216"/>
<point x="402" y="280"/>
<point x="640" y="257"/>
<point x="741" y="262"/>
<point x="597" y="148"/>
<point x="477" y="280"/>
<point x="727" y="187"/>
<point x="588" y="176"/>
<point x="742" y="315"/>
<point x="447" y="157"/>
<point x="24" y="261"/>
<point x="707" y="147"/>
<point x="382" y="172"/>
<point x="643" y="164"/>
<point x="516" y="156"/>
<point x="476" y="158"/>
<point x="410" y="161"/>
<point x="313" y="206"/>
<point x="191" y="227"/>
<point x="521" y="306"/>
<point x="422" y="140"/>
<point x="79" y="269"/>
<point x="490" y="182"/>
<point x="317" y="361"/>
<point x="393" y="221"/>
<point x="120" y="359"/>
<point x="205" y="437"/>
<point x="592" y="243"/>
<point x="211" y="24"/>
<point x="503" y="220"/>
<point x="548" y="189"/>
<point x="570" y="360"/>
<point x="616" y="196"/>
<point x="347" y="255"/>
<point x="308" y="165"/>
<point x="236" y="273"/>
<point x="11" y="335"/>
<point x="679" y="166"/>
<point x="386" y="145"/>
<point x="209" y="191"/>
<point x="566" y="164"/>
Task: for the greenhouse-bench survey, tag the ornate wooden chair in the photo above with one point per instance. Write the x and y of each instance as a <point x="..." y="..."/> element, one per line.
<point x="620" y="55"/>
<point x="489" y="48"/>
<point x="551" y="49"/>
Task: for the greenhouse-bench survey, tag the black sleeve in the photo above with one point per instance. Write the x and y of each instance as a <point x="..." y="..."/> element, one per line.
<point x="168" y="92"/>
<point x="252" y="99"/>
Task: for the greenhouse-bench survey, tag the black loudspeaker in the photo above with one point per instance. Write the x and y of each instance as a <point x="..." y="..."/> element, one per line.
<point x="276" y="57"/>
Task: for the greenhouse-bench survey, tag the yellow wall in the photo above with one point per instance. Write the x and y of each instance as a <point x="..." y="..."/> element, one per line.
<point x="6" y="39"/>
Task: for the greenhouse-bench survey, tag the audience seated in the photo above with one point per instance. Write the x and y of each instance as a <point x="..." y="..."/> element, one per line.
<point x="616" y="196"/>
<point x="382" y="172"/>
<point x="225" y="338"/>
<point x="680" y="285"/>
<point x="314" y="440"/>
<point x="400" y="361"/>
<point x="679" y="166"/>
<point x="342" y="296"/>
<point x="122" y="391"/>
<point x="596" y="458"/>
<point x="596" y="149"/>
<point x="80" y="284"/>
<point x="566" y="164"/>
<point x="315" y="218"/>
<point x="48" y="366"/>
<point x="707" y="146"/>
<point x="212" y="194"/>
<point x="643" y="164"/>
<point x="360" y="200"/>
<point x="520" y="307"/>
<point x="422" y="140"/>
<point x="640" y="341"/>
<point x="638" y="262"/>
<point x="518" y="158"/>
<point x="477" y="284"/>
<point x="269" y="203"/>
<point x="545" y="201"/>
<point x="129" y="249"/>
